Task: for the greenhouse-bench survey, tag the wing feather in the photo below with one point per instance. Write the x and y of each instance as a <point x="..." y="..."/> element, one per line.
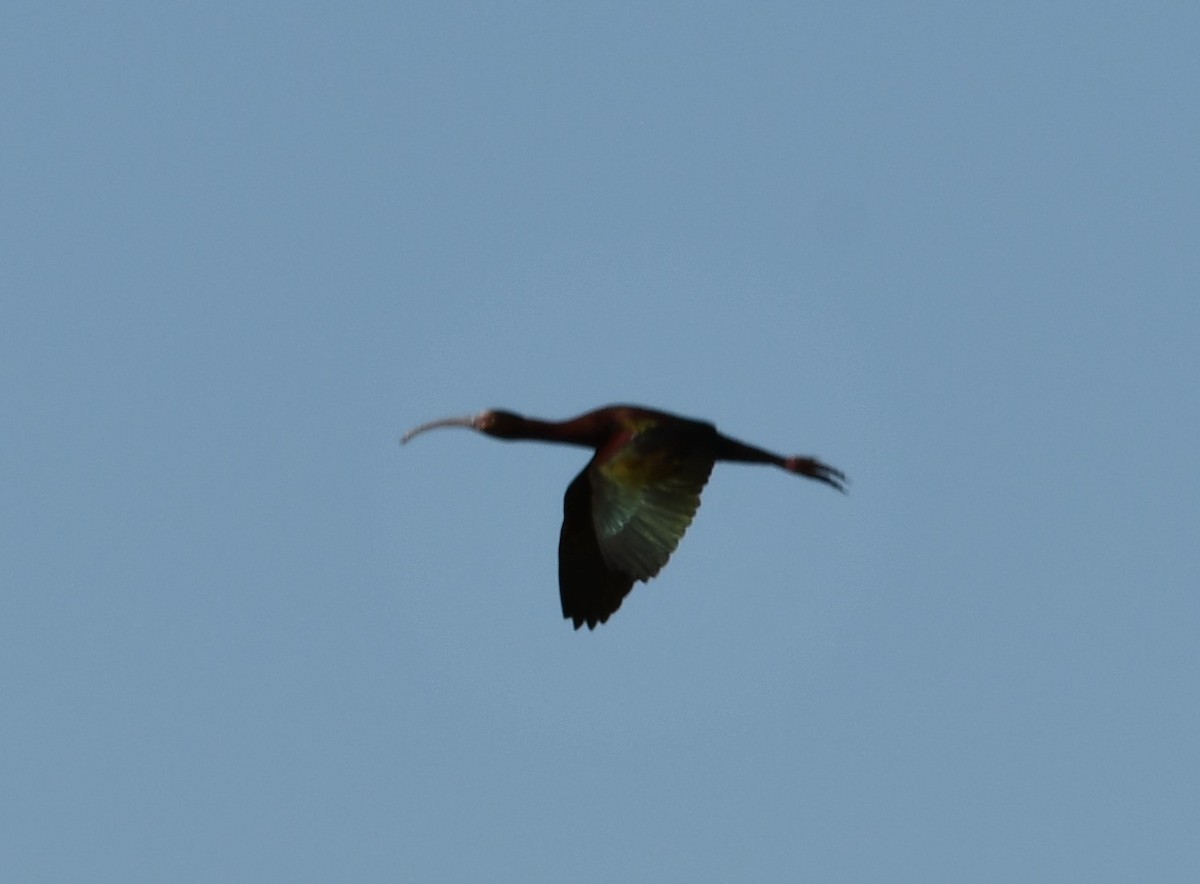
<point x="626" y="512"/>
<point x="640" y="523"/>
<point x="589" y="589"/>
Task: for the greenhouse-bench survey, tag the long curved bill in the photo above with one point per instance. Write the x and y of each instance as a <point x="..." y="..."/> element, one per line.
<point x="468" y="422"/>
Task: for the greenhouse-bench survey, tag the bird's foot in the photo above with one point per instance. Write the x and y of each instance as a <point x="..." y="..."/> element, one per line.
<point x="814" y="469"/>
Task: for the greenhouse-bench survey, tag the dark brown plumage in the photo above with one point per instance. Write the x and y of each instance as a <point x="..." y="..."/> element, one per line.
<point x="626" y="512"/>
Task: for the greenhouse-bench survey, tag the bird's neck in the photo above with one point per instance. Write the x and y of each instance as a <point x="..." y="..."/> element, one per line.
<point x="588" y="430"/>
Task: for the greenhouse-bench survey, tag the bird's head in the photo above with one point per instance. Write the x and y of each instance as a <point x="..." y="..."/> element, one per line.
<point x="498" y="423"/>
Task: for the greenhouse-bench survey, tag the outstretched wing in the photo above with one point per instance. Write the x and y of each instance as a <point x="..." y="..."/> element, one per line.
<point x="625" y="514"/>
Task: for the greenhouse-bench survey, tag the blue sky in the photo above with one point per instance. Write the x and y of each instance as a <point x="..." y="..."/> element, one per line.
<point x="951" y="249"/>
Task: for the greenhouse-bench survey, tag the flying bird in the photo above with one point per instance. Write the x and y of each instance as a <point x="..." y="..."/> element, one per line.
<point x="625" y="513"/>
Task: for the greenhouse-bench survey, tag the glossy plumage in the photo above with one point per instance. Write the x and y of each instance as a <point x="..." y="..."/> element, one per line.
<point x="625" y="513"/>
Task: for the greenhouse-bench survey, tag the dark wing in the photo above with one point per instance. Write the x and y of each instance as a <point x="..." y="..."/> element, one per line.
<point x="624" y="515"/>
<point x="589" y="589"/>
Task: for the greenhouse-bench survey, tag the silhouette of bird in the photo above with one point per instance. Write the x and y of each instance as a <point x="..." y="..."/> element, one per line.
<point x="625" y="513"/>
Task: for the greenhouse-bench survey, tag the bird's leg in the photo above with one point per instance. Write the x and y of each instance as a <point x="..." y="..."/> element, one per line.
<point x="810" y="467"/>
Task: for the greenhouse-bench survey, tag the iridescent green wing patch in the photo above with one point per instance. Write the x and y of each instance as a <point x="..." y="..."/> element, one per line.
<point x="645" y="495"/>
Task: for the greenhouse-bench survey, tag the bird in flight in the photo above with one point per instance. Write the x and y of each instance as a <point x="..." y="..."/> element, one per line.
<point x="626" y="512"/>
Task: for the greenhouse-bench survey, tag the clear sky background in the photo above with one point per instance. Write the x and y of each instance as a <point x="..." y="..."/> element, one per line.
<point x="953" y="249"/>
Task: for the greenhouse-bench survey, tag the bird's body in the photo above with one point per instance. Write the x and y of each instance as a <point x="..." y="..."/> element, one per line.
<point x="625" y="513"/>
